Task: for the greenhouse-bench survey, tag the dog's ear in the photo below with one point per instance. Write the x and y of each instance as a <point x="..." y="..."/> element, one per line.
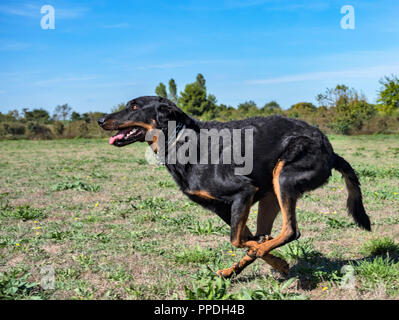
<point x="165" y="113"/>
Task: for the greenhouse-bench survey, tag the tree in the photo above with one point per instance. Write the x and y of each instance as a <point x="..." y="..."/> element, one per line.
<point x="75" y="116"/>
<point x="247" y="107"/>
<point x="86" y="117"/>
<point x="350" y="109"/>
<point x="11" y="116"/>
<point x="172" y="90"/>
<point x="160" y="91"/>
<point x="118" y="107"/>
<point x="388" y="95"/>
<point x="36" y="115"/>
<point x="62" y="112"/>
<point x="201" y="81"/>
<point x="195" y="101"/>
<point x="301" y="109"/>
<point x="270" y="106"/>
<point x="304" y="107"/>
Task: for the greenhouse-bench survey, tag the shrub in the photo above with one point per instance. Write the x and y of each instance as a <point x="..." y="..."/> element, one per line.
<point x="39" y="131"/>
<point x="208" y="289"/>
<point x="381" y="246"/>
<point x="75" y="184"/>
<point x="24" y="212"/>
<point x="15" y="285"/>
<point x="58" y="128"/>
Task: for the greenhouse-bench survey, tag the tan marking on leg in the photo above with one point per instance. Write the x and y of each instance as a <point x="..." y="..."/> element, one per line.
<point x="202" y="194"/>
<point x="288" y="212"/>
<point x="277" y="263"/>
<point x="236" y="268"/>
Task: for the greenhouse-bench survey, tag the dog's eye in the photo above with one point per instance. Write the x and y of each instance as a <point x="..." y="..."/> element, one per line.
<point x="134" y="107"/>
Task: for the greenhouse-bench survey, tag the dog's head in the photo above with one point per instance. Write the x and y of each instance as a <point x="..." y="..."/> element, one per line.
<point x="140" y="116"/>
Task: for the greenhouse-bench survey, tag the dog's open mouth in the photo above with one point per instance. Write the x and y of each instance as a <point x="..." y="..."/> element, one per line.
<point x="127" y="136"/>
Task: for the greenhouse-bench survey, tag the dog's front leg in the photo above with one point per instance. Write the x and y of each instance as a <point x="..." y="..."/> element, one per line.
<point x="239" y="215"/>
<point x="240" y="236"/>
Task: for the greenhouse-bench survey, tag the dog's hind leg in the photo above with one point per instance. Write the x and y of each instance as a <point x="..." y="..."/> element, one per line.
<point x="268" y="209"/>
<point x="287" y="200"/>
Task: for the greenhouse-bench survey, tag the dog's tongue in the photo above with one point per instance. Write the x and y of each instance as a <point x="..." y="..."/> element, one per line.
<point x="117" y="137"/>
<point x="120" y="135"/>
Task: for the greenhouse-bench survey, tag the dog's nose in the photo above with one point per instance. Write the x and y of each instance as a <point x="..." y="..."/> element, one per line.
<point x="101" y="121"/>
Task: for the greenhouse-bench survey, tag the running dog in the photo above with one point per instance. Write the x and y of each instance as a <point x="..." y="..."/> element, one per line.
<point x="290" y="157"/>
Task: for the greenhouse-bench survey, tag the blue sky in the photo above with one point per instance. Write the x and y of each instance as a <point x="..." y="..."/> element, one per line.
<point x="103" y="52"/>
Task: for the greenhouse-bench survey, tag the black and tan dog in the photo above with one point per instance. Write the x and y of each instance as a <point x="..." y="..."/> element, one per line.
<point x="290" y="157"/>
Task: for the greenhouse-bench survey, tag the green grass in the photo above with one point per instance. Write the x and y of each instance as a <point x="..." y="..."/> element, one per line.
<point x="75" y="184"/>
<point x="23" y="213"/>
<point x="379" y="273"/>
<point x="194" y="255"/>
<point x="15" y="284"/>
<point x="208" y="227"/>
<point x="380" y="246"/>
<point x="115" y="227"/>
<point x="299" y="250"/>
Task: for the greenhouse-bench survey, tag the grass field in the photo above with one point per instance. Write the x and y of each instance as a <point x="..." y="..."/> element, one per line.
<point x="114" y="227"/>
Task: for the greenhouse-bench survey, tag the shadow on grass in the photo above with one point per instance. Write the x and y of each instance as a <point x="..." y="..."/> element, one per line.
<point x="311" y="272"/>
<point x="311" y="267"/>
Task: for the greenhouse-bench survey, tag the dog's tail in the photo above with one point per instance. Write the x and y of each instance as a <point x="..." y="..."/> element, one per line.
<point x="354" y="202"/>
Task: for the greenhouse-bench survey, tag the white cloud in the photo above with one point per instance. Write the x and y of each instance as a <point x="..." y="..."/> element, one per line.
<point x="367" y="72"/>
<point x="14" y="46"/>
<point x="65" y="79"/>
<point x="70" y="13"/>
<point x="25" y="10"/>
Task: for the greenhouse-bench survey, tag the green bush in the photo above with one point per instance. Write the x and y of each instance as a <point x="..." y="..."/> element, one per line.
<point x="58" y="128"/>
<point x="15" y="285"/>
<point x="24" y="212"/>
<point x="39" y="131"/>
<point x="380" y="246"/>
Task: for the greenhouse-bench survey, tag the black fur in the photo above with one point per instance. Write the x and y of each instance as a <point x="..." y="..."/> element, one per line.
<point x="306" y="152"/>
<point x="354" y="202"/>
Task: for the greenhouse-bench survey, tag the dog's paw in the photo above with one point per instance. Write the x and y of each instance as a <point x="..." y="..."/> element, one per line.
<point x="227" y="273"/>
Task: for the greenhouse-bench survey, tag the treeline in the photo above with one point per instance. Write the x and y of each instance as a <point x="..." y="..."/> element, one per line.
<point x="341" y="110"/>
<point x="39" y="124"/>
